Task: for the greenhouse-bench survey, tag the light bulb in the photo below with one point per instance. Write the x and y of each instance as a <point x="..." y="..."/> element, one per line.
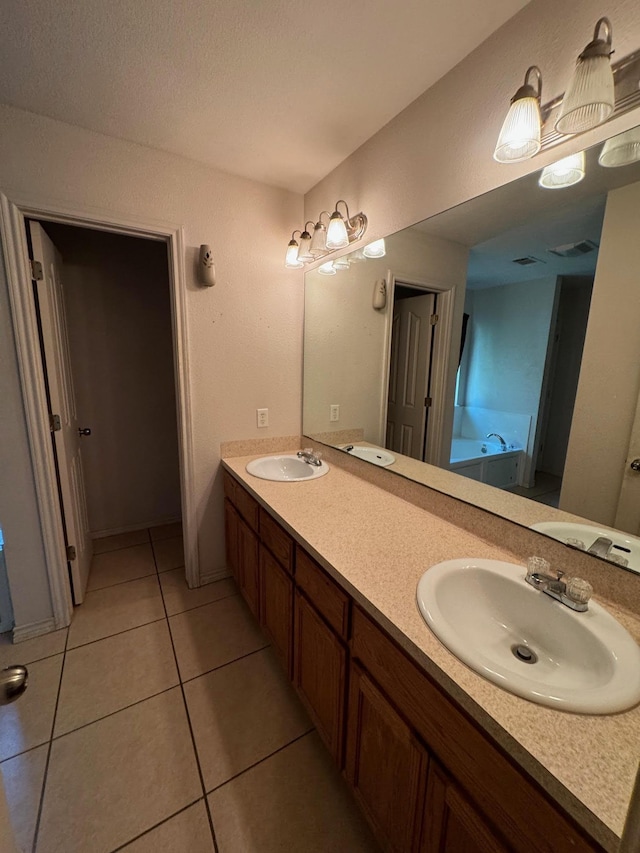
<point x="566" y="172"/>
<point x="304" y="252"/>
<point x="519" y="137"/>
<point x="377" y="249"/>
<point x="291" y="260"/>
<point x="318" y="245"/>
<point x="337" y="237"/>
<point x="621" y="150"/>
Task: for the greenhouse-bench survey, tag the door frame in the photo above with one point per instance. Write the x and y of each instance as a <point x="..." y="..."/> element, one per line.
<point x="440" y="360"/>
<point x="13" y="213"/>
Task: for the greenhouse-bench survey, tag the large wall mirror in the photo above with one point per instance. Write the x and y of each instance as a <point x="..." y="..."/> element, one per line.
<point x="496" y="346"/>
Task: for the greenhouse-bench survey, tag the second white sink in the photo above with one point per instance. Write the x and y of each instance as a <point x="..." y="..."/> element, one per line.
<point x="285" y="469"/>
<point x="489" y="617"/>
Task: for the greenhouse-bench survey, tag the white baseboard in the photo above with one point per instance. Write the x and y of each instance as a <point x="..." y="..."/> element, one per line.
<point x="214" y="575"/>
<point x="35" y="629"/>
<point x="114" y="531"/>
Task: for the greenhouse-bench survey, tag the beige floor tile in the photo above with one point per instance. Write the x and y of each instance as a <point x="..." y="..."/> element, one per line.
<point x="29" y="651"/>
<point x="294" y="800"/>
<point x="114" y="609"/>
<point x="187" y="832"/>
<point x="213" y="635"/>
<point x="178" y="597"/>
<point x="169" y="553"/>
<point x="23" y="778"/>
<point x="166" y="531"/>
<point x="28" y="721"/>
<point x="120" y="540"/>
<point x="111" y="781"/>
<point x="126" y="564"/>
<point x="242" y="713"/>
<point x="108" y="675"/>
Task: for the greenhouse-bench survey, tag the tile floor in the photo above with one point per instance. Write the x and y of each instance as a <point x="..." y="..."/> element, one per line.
<point x="160" y="721"/>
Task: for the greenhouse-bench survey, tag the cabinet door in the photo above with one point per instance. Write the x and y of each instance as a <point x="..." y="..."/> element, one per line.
<point x="452" y="823"/>
<point x="231" y="522"/>
<point x="248" y="566"/>
<point x="319" y="673"/>
<point x="276" y="606"/>
<point x="385" y="764"/>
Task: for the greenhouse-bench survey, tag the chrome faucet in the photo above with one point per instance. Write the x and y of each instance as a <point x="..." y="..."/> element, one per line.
<point x="574" y="594"/>
<point x="601" y="547"/>
<point x="503" y="443"/>
<point x="309" y="456"/>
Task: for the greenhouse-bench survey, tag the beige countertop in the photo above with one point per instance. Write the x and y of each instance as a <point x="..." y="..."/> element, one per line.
<point x="378" y="546"/>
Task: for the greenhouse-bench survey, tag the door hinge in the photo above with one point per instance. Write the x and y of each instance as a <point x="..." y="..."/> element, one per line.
<point x="427" y="401"/>
<point x="54" y="423"/>
<point x="36" y="271"/>
<point x="433" y="319"/>
<point x="71" y="552"/>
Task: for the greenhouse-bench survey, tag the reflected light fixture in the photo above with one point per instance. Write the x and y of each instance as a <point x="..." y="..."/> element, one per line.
<point x="589" y="100"/>
<point x="342" y="263"/>
<point x="621" y="150"/>
<point x="376" y="249"/>
<point x="519" y="137"/>
<point x="304" y="252"/>
<point x="327" y="269"/>
<point x="291" y="260"/>
<point x="566" y="172"/>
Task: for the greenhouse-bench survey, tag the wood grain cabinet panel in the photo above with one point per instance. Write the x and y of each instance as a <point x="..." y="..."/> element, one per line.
<point x="231" y="522"/>
<point x="331" y="601"/>
<point x="385" y="765"/>
<point x="276" y="606"/>
<point x="277" y="541"/>
<point x="249" y="567"/>
<point x="319" y="674"/>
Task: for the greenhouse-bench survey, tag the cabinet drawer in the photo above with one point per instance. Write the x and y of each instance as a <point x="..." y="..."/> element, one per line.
<point x="490" y="779"/>
<point x="247" y="507"/>
<point x="277" y="540"/>
<point x="230" y="486"/>
<point x="326" y="595"/>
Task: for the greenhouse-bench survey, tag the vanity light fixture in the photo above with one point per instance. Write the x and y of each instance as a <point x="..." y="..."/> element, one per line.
<point x="291" y="260"/>
<point x="342" y="263"/>
<point x="590" y="98"/>
<point x="519" y="137"/>
<point x="565" y="173"/>
<point x="327" y="269"/>
<point x="621" y="150"/>
<point x="376" y="249"/>
<point x="338" y="234"/>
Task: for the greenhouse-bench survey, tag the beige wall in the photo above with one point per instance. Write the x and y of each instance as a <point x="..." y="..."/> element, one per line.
<point x="609" y="382"/>
<point x="344" y="348"/>
<point x="118" y="308"/>
<point x="245" y="334"/>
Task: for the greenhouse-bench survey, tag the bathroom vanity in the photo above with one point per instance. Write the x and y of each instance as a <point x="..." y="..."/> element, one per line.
<point x="438" y="758"/>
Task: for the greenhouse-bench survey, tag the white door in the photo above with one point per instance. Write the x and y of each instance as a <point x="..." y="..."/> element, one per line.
<point x="628" y="512"/>
<point x="410" y="359"/>
<point x="62" y="404"/>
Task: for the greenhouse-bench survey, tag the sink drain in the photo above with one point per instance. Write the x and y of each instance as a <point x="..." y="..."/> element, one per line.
<point x="524" y="653"/>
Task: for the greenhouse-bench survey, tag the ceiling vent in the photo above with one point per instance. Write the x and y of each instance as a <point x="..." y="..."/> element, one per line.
<point x="525" y="262"/>
<point x="575" y="250"/>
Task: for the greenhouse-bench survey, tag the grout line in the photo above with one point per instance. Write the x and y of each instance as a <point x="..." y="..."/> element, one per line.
<point x="205" y="604"/>
<point x="36" y="831"/>
<point x="151" y="574"/>
<point x="113" y="550"/>
<point x="261" y="760"/>
<point x="223" y="665"/>
<point x="188" y="716"/>
<point x="156" y="825"/>
<point x="115" y="634"/>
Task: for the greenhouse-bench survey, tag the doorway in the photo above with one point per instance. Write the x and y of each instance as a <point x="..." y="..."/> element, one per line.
<point x="25" y="326"/>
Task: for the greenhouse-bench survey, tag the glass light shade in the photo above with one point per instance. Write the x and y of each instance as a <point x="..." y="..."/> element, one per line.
<point x="519" y="137"/>
<point x="341" y="263"/>
<point x="621" y="150"/>
<point x="318" y="245"/>
<point x="337" y="237"/>
<point x="376" y="249"/>
<point x="590" y="98"/>
<point x="291" y="260"/>
<point x="564" y="173"/>
<point x="327" y="269"/>
<point x="304" y="253"/>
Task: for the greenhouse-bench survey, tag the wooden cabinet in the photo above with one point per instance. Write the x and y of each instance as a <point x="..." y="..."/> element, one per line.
<point x="276" y="606"/>
<point x="248" y="566"/>
<point x="231" y="522"/>
<point x="319" y="673"/>
<point x="385" y="764"/>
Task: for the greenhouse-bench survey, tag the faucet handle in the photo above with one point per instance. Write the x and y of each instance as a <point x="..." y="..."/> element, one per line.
<point x="537" y="565"/>
<point x="579" y="590"/>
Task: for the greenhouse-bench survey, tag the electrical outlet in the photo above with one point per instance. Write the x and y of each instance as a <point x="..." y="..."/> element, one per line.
<point x="263" y="417"/>
<point x="334" y="412"/>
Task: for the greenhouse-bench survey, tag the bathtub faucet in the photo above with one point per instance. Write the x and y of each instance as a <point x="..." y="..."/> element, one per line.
<point x="503" y="443"/>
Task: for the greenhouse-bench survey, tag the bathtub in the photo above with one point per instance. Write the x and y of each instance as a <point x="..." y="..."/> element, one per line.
<point x="486" y="462"/>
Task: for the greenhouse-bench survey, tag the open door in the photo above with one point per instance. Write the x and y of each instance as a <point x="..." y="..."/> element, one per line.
<point x="62" y="408"/>
<point x="628" y="511"/>
<point x="410" y="361"/>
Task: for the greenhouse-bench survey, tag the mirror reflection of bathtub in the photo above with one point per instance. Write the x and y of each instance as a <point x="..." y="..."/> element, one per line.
<point x="486" y="462"/>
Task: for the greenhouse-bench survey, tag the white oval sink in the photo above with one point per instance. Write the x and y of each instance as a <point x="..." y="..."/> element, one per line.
<point x="370" y="454"/>
<point x="285" y="469"/>
<point x="483" y="610"/>
<point x="624" y="544"/>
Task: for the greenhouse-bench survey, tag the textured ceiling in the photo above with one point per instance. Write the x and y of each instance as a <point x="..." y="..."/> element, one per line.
<point x="277" y="91"/>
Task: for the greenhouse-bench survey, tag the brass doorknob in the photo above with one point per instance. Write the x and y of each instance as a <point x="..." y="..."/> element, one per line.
<point x="635" y="465"/>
